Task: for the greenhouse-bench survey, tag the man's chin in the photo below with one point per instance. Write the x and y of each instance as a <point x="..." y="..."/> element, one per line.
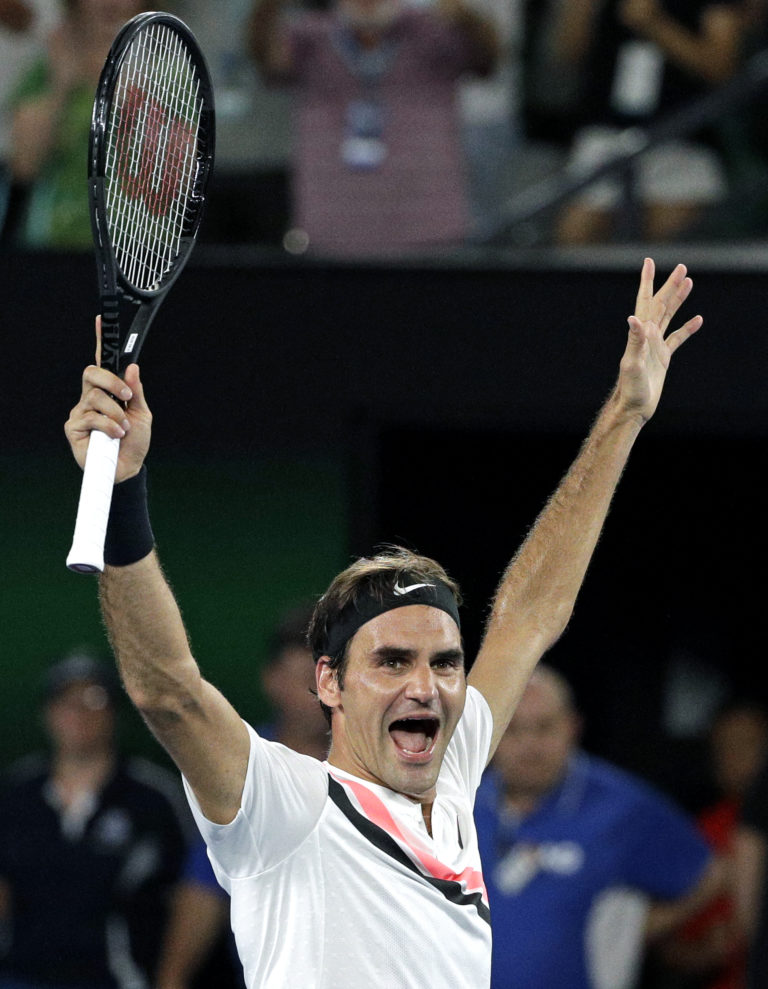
<point x="417" y="782"/>
<point x="532" y="789"/>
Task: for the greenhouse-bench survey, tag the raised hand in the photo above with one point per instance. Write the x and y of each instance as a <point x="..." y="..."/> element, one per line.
<point x="125" y="416"/>
<point x="646" y="359"/>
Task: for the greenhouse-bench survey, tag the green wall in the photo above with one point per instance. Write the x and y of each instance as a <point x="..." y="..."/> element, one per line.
<point x="240" y="542"/>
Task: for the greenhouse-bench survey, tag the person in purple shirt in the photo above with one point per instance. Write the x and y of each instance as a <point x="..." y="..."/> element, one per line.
<point x="378" y="165"/>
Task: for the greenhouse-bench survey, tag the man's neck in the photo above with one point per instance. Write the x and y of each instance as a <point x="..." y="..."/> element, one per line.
<point x="427" y="800"/>
<point x="521" y="804"/>
<point x="75" y="773"/>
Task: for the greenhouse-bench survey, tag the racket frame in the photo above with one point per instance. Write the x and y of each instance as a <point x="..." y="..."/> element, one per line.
<point x="122" y="302"/>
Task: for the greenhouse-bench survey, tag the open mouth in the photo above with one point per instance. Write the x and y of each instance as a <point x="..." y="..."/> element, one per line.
<point x="415" y="736"/>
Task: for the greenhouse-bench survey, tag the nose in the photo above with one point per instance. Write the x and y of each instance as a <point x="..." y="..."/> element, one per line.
<point x="421" y="685"/>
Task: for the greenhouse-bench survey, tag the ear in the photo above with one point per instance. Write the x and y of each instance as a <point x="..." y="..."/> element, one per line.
<point x="328" y="690"/>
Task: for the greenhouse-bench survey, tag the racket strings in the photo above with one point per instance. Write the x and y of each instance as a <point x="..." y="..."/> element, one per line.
<point x="152" y="155"/>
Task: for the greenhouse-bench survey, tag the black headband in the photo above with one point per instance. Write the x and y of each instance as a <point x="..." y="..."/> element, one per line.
<point x="406" y="590"/>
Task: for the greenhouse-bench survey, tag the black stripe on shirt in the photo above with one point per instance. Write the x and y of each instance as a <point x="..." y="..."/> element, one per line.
<point x="377" y="836"/>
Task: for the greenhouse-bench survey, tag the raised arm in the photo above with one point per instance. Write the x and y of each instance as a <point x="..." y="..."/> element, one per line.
<point x="535" y="599"/>
<point x="194" y="722"/>
<point x="711" y="53"/>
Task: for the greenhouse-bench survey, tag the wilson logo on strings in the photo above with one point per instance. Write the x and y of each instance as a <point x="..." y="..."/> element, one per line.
<point x="153" y="150"/>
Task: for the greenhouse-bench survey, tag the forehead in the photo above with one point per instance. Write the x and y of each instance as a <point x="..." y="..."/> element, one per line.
<point x="87" y="693"/>
<point x="418" y="627"/>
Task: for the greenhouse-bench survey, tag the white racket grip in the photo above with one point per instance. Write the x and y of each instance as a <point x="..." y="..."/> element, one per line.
<point x="87" y="552"/>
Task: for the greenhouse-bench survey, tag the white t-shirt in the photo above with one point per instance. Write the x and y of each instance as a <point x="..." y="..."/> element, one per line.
<point x="335" y="882"/>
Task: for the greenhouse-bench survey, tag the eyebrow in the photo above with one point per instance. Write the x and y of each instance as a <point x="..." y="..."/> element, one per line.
<point x="449" y="654"/>
<point x="399" y="652"/>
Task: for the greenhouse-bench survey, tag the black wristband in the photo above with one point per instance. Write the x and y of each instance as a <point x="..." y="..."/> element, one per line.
<point x="129" y="533"/>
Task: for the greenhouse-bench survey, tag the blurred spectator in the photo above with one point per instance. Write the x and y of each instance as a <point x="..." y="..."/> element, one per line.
<point x="709" y="951"/>
<point x="91" y="844"/>
<point x="643" y="59"/>
<point x="378" y="165"/>
<point x="751" y="879"/>
<point x="24" y="26"/>
<point x="201" y="907"/>
<point x="553" y="72"/>
<point x="582" y="861"/>
<point x="52" y="114"/>
<point x="248" y="197"/>
<point x="490" y="113"/>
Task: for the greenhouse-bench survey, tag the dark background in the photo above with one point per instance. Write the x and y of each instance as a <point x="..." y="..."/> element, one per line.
<point x="305" y="411"/>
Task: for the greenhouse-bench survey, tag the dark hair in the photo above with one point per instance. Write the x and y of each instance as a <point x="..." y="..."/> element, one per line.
<point x="375" y="577"/>
<point x="79" y="667"/>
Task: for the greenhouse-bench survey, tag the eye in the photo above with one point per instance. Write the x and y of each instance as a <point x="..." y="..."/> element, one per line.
<point x="448" y="663"/>
<point x="392" y="662"/>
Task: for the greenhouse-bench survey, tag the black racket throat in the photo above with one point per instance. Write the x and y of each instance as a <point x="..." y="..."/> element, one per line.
<point x="119" y="349"/>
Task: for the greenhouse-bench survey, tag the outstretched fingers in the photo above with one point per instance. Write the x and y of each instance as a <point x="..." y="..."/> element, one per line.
<point x="638" y="336"/>
<point x="676" y="339"/>
<point x="672" y="295"/>
<point x="661" y="307"/>
<point x="644" y="300"/>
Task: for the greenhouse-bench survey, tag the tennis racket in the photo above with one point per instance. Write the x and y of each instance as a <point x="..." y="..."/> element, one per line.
<point x="150" y="157"/>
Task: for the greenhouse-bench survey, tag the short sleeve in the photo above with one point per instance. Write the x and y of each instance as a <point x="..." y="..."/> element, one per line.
<point x="283" y="797"/>
<point x="467" y="753"/>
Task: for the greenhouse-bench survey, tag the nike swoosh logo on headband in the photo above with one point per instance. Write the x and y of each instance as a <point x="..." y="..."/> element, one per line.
<point x="411" y="587"/>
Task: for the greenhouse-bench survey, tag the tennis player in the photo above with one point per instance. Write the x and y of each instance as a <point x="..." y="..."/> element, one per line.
<point x="364" y="869"/>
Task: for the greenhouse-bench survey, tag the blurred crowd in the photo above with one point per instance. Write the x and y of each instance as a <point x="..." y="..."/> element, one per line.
<point x="370" y="128"/>
<point x="598" y="878"/>
<point x="373" y="127"/>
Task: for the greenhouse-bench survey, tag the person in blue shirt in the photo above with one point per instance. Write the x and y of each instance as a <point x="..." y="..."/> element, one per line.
<point x="583" y="862"/>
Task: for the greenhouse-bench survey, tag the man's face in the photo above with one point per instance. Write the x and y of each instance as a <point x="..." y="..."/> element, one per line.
<point x="404" y="692"/>
<point x="80" y="720"/>
<point x="534" y="750"/>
